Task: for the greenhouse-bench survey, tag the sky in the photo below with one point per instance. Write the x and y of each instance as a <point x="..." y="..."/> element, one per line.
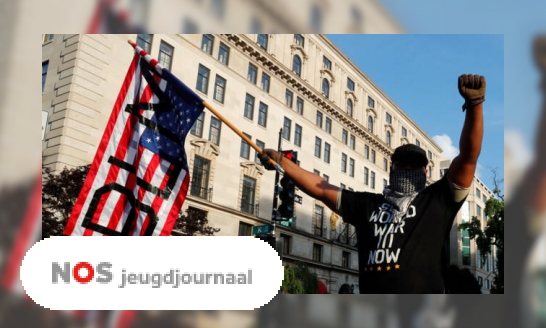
<point x="420" y="73"/>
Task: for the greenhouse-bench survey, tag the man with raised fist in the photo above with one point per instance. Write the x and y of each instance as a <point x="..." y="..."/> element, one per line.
<point x="401" y="232"/>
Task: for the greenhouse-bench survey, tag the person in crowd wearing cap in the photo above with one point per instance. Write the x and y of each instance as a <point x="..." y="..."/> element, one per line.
<point x="401" y="232"/>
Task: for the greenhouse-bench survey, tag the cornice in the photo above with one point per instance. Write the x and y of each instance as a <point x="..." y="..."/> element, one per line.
<point x="247" y="46"/>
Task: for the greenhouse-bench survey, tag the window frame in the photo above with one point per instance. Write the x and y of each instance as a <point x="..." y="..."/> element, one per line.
<point x="220" y="87"/>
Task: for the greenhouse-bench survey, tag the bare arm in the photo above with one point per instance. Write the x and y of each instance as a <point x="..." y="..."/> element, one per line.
<point x="462" y="169"/>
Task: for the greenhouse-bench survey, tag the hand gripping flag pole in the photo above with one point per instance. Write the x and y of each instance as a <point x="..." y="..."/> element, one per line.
<point x="160" y="69"/>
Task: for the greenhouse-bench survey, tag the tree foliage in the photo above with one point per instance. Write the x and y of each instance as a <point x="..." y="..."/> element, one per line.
<point x="491" y="235"/>
<point x="192" y="223"/>
<point x="60" y="192"/>
<point x="299" y="280"/>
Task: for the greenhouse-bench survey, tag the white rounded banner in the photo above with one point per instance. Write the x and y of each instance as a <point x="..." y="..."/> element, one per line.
<point x="152" y="273"/>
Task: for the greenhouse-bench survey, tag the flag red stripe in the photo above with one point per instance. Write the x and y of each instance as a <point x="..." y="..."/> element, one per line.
<point x="101" y="149"/>
<point x="173" y="214"/>
<point x="148" y="176"/>
<point x="156" y="205"/>
<point x="23" y="241"/>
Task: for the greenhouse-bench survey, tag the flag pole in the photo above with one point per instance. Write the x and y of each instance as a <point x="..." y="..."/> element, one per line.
<point x="159" y="69"/>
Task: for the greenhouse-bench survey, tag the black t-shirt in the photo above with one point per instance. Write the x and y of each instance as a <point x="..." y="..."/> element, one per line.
<point x="401" y="257"/>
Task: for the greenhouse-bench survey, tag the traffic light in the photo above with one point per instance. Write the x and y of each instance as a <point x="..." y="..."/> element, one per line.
<point x="288" y="190"/>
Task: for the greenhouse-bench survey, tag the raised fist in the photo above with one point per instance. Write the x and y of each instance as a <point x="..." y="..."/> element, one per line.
<point x="266" y="154"/>
<point x="472" y="89"/>
<point x="540" y="53"/>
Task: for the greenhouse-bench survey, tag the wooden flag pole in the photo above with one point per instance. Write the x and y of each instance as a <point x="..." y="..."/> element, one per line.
<point x="156" y="65"/>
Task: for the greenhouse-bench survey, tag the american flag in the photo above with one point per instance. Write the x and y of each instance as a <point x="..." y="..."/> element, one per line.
<point x="139" y="178"/>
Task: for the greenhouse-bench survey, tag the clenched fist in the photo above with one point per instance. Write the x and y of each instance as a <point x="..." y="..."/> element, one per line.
<point x="472" y="89"/>
<point x="266" y="155"/>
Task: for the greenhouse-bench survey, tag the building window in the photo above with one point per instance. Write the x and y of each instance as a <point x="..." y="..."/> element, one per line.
<point x="217" y="8"/>
<point x="342" y="186"/>
<point x="484" y="199"/>
<point x="286" y="243"/>
<point x="327" y="152"/>
<point x="245" y="148"/>
<point x="249" y="107"/>
<point x="289" y="97"/>
<point x="252" y="75"/>
<point x="480" y="281"/>
<point x="145" y="42"/>
<point x="486" y="283"/>
<point x="45" y="66"/>
<point x="189" y="27"/>
<point x="316" y="172"/>
<point x="219" y="88"/>
<point x="317" y="252"/>
<point x="328" y="125"/>
<point x="49" y="37"/>
<point x="223" y="54"/>
<point x="370" y="123"/>
<point x="344" y="136"/>
<point x="318" y="221"/>
<point x="215" y="129"/>
<point x="352" y="142"/>
<point x="265" y="82"/>
<point x="299" y="40"/>
<point x="372" y="180"/>
<point x="326" y="88"/>
<point x="299" y="105"/>
<point x="245" y="229"/>
<point x="296" y="65"/>
<point x="206" y="43"/>
<point x="418" y="143"/>
<point x="200" y="177"/>
<point x="478" y="211"/>
<point x="388" y="138"/>
<point x="385" y="164"/>
<point x="345" y="259"/>
<point x="326" y="63"/>
<point x="165" y="55"/>
<point x="343" y="163"/>
<point x="367" y="151"/>
<point x="197" y="128"/>
<point x="262" y="40"/>
<point x="366" y="175"/>
<point x="404" y="132"/>
<point x="384" y="183"/>
<point x="466" y="247"/>
<point x="388" y="118"/>
<point x="249" y="192"/>
<point x="371" y="102"/>
<point x="318" y="146"/>
<point x="350" y="107"/>
<point x="373" y="156"/>
<point x="297" y="135"/>
<point x="286" y="128"/>
<point x="260" y="145"/>
<point x="351" y="167"/>
<point x="262" y="115"/>
<point x="318" y="119"/>
<point x="326" y="178"/>
<point x="429" y="154"/>
<point x="350" y="84"/>
<point x="430" y="171"/>
<point x="203" y="79"/>
<point x="478" y="193"/>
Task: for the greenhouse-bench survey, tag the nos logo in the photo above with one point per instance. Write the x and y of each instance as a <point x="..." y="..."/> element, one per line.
<point x="82" y="272"/>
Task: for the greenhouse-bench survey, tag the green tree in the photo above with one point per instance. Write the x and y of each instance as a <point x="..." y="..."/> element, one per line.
<point x="192" y="223"/>
<point x="491" y="235"/>
<point x="299" y="280"/>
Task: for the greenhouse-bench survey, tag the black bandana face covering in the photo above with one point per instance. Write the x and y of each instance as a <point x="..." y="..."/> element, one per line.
<point x="407" y="181"/>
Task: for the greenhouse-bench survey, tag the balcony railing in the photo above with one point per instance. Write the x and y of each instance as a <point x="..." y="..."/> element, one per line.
<point x="197" y="191"/>
<point x="250" y="208"/>
<point x="318" y="231"/>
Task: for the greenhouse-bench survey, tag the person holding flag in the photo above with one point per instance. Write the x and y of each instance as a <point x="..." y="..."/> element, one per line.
<point x="401" y="232"/>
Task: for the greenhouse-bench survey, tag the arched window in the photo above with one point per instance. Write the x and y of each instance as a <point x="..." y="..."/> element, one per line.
<point x="296" y="65"/>
<point x="389" y="138"/>
<point x="326" y="88"/>
<point x="350" y="107"/>
<point x="370" y="123"/>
